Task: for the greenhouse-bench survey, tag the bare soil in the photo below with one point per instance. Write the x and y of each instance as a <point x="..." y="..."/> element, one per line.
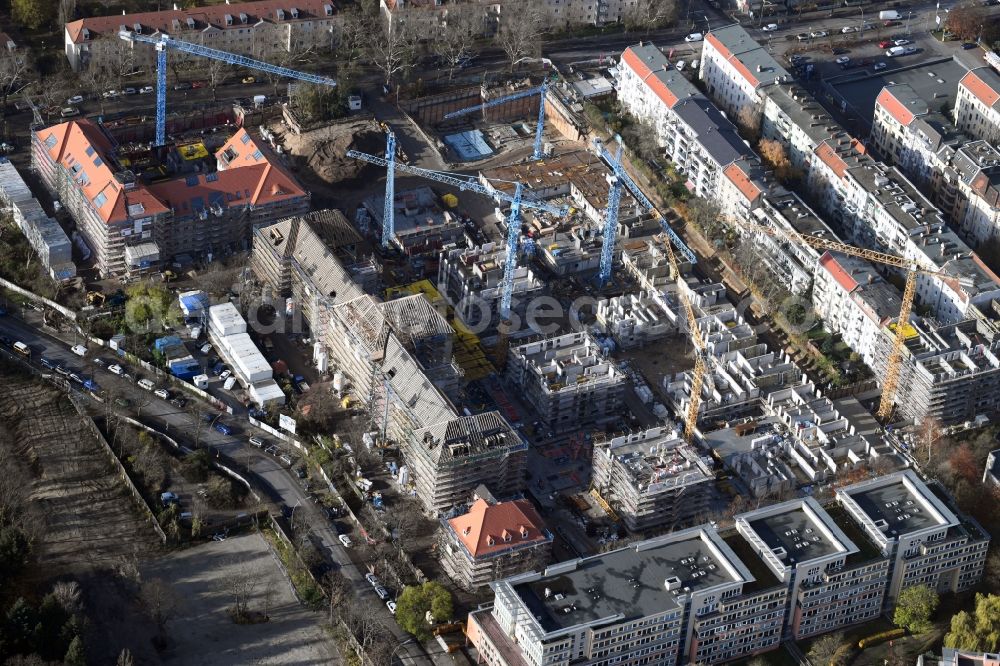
<point x="323" y="151"/>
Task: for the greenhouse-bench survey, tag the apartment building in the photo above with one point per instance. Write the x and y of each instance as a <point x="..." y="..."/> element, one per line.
<point x="699" y="139"/>
<point x="567" y="380"/>
<point x="652" y="479"/>
<point x="970" y="189"/>
<point x="742" y="188"/>
<point x="925" y="542"/>
<point x="977" y="104"/>
<point x="421" y="225"/>
<point x="44" y="234"/>
<point x="854" y="301"/>
<point x="257" y="29"/>
<point x="493" y="540"/>
<point x="791" y="264"/>
<point x="470" y="279"/>
<point x="735" y="69"/>
<point x="808" y="552"/>
<point x="637" y="319"/>
<point x="682" y="598"/>
<point x="792" y="117"/>
<point x="130" y="225"/>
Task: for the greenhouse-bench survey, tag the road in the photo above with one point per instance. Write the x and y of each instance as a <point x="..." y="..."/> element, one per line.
<point x="282" y="486"/>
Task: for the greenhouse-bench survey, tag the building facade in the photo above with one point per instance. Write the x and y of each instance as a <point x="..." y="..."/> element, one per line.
<point x="260" y="30"/>
<point x="977" y="104"/>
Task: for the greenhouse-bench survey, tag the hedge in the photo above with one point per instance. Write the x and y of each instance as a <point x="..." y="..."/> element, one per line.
<point x="875" y="639"/>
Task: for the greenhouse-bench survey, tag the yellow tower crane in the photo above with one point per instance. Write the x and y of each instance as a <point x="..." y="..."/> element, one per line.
<point x="891" y="380"/>
<point x="700" y="354"/>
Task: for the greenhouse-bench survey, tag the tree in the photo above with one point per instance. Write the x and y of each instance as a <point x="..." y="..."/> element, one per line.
<point x="914" y="608"/>
<point x="31" y="14"/>
<point x="650" y="14"/>
<point x="774" y="154"/>
<point x="240" y="582"/>
<point x="749" y="119"/>
<point x="978" y="631"/>
<point x="416" y="601"/>
<point x="15" y="67"/>
<point x="455" y="41"/>
<point x="66" y="12"/>
<point x="641" y="137"/>
<point x="161" y="602"/>
<point x="825" y="649"/>
<point x="125" y="658"/>
<point x="68" y="594"/>
<point x="965" y="22"/>
<point x="215" y="73"/>
<point x="75" y="655"/>
<point x="391" y="50"/>
<point x="317" y="103"/>
<point x="963" y="463"/>
<point x="352" y="41"/>
<point x="520" y="31"/>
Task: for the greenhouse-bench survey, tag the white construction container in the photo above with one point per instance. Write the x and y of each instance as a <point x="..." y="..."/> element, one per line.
<point x="249" y="363"/>
<point x="225" y="320"/>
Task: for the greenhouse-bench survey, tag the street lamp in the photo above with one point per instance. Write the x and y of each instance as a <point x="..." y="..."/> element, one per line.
<point x="395" y="649"/>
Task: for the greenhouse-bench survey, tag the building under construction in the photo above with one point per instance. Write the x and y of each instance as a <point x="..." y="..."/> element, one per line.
<point x="449" y="459"/>
<point x="652" y="479"/>
<point x="567" y="380"/>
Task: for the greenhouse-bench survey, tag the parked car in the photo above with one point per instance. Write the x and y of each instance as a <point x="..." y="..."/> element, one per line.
<point x="680" y="65"/>
<point x="879" y="66"/>
<point x="46" y="363"/>
<point x="167" y="498"/>
<point x="102" y="362"/>
<point x="225" y="429"/>
<point x="146" y="384"/>
<point x="115" y="369"/>
<point x="145" y="90"/>
<point x="69" y="112"/>
<point x="79" y="350"/>
<point x="885" y="43"/>
<point x="818" y="34"/>
<point x="391" y="605"/>
<point x="225" y="374"/>
<point x="969" y="45"/>
<point x="183" y="85"/>
<point x="770" y="27"/>
<point x="249" y="79"/>
<point x="382" y="593"/>
<point x="108" y="94"/>
<point x="178" y="402"/>
<point x="694" y="37"/>
<point x="198" y="84"/>
<point x="847" y="29"/>
<point x="345" y="540"/>
<point x="256" y="441"/>
<point x="842" y="60"/>
<point x="901" y="42"/>
<point x="802" y="36"/>
<point x="130" y="91"/>
<point x="163" y="394"/>
<point x="74" y="100"/>
<point x="62" y="370"/>
<point x="372" y="578"/>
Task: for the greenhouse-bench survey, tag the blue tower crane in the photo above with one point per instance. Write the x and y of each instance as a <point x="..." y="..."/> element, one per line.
<point x="620" y="179"/>
<point x="541" y="91"/>
<point x="470" y="184"/>
<point x="388" y="218"/>
<point x="163" y="42"/>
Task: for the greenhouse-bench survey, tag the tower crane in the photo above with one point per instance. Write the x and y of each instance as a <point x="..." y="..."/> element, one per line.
<point x="891" y="380"/>
<point x="701" y="356"/>
<point x="163" y="42"/>
<point x="619" y="179"/>
<point x="541" y="91"/>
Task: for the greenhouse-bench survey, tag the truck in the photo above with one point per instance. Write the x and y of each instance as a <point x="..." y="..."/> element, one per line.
<point x="889" y="15"/>
<point x="895" y="51"/>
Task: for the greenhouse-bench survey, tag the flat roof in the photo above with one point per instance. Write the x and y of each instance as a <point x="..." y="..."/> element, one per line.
<point x="902" y="501"/>
<point x="631" y="582"/>
<point x="797" y="532"/>
<point x="936" y="82"/>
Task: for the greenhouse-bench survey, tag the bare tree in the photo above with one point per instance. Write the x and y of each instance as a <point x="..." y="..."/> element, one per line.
<point x="650" y="14"/>
<point x="14" y="69"/>
<point x="215" y="73"/>
<point x="125" y="658"/>
<point x="520" y="31"/>
<point x="352" y="42"/>
<point x="339" y="588"/>
<point x="456" y="39"/>
<point x="162" y="603"/>
<point x="392" y="51"/>
<point x="68" y="594"/>
<point x="66" y="12"/>
<point x="240" y="583"/>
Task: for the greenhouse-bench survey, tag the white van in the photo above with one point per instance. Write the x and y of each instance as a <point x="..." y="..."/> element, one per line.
<point x="230" y="382"/>
<point x="146" y="384"/>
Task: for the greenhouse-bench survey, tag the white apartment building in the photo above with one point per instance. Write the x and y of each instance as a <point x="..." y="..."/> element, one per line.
<point x="793" y="117"/>
<point x="977" y="105"/>
<point x="830" y="582"/>
<point x="735" y="68"/>
<point x="924" y="540"/>
<point x="791" y="264"/>
<point x="694" y="135"/>
<point x="854" y="301"/>
<point x="976" y="182"/>
<point x="742" y="188"/>
<point x="256" y="29"/>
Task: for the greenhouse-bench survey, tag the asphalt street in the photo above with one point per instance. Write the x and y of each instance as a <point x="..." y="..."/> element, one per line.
<point x="184" y="425"/>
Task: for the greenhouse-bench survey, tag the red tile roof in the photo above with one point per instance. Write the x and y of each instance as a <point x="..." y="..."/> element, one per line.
<point x="203" y="17"/>
<point x="833" y="267"/>
<point x="982" y="90"/>
<point x="83" y="149"/>
<point x="272" y="183"/>
<point x="735" y="61"/>
<point x="742" y="181"/>
<point x="895" y="108"/>
<point x="490" y="528"/>
<point x="829" y="157"/>
<point x="644" y="72"/>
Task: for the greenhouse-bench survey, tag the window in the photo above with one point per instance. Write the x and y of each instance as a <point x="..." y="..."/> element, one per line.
<point x="100" y="200"/>
<point x="90" y="151"/>
<point x="257" y="155"/>
<point x="245" y="138"/>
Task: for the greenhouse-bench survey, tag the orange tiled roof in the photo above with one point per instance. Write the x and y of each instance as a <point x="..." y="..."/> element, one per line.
<point x="829" y="157"/>
<point x="895" y="108"/>
<point x="203" y="17"/>
<point x="273" y="183"/>
<point x="81" y="148"/>
<point x="490" y="528"/>
<point x="643" y="71"/>
<point x="982" y="90"/>
<point x="740" y="179"/>
<point x="736" y="62"/>
<point x="843" y="278"/>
